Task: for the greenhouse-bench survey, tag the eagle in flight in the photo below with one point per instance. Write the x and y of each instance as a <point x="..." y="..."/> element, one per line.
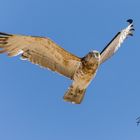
<point x="45" y="53"/>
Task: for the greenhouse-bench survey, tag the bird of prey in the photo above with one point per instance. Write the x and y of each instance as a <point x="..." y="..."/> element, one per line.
<point x="45" y="53"/>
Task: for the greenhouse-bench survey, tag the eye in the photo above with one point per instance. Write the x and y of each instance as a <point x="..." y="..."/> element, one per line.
<point x="97" y="54"/>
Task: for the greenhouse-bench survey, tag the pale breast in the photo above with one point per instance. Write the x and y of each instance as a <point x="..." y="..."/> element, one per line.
<point x="84" y="75"/>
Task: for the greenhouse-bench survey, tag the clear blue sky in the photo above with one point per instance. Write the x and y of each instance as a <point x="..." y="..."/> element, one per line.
<point x="31" y="104"/>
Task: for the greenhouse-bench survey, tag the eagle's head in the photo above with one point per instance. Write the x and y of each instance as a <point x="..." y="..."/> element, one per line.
<point x="92" y="57"/>
<point x="96" y="54"/>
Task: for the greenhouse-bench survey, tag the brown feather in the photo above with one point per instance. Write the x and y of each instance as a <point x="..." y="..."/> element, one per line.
<point x="41" y="51"/>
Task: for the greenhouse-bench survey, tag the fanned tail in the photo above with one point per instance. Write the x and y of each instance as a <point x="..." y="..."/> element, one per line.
<point x="74" y="95"/>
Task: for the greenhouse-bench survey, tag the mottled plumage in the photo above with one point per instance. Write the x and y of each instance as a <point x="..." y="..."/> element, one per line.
<point x="45" y="53"/>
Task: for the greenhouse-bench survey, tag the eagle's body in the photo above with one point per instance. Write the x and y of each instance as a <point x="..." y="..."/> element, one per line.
<point x="45" y="53"/>
<point x="83" y="76"/>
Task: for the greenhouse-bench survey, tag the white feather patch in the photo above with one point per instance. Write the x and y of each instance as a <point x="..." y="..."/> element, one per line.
<point x="123" y="36"/>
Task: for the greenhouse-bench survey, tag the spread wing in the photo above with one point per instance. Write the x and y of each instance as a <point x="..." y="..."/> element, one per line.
<point x="41" y="51"/>
<point x="116" y="42"/>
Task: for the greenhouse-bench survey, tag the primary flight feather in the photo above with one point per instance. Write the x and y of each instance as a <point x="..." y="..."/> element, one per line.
<point x="45" y="53"/>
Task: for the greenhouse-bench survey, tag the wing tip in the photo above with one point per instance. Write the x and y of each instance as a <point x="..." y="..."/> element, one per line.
<point x="130" y="27"/>
<point x="130" y="21"/>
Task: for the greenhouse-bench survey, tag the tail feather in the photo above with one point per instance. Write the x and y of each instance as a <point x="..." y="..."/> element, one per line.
<point x="74" y="95"/>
